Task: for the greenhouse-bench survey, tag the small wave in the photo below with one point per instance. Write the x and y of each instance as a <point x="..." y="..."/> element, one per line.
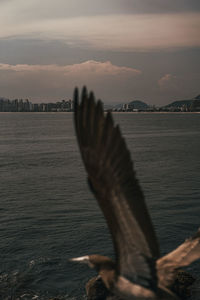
<point x="19" y="285"/>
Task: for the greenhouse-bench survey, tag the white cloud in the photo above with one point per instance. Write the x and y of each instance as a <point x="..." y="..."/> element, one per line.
<point x="112" y="32"/>
<point x="87" y="68"/>
<point x="55" y="81"/>
<point x="171" y="83"/>
<point x="166" y="80"/>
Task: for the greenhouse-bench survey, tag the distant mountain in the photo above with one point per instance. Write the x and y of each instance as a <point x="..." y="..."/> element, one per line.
<point x="197" y="97"/>
<point x="137" y="104"/>
<point x="181" y="103"/>
<point x="195" y="106"/>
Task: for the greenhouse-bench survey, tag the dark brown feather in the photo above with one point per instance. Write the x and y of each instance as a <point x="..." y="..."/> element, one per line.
<point x="110" y="172"/>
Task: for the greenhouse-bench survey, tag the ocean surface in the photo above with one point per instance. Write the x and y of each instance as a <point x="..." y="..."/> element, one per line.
<point x="48" y="214"/>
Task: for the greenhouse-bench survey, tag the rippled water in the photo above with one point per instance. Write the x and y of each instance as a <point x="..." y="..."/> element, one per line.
<point x="48" y="214"/>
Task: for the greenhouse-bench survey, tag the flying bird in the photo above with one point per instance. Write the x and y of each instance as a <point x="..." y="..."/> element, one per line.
<point x="138" y="271"/>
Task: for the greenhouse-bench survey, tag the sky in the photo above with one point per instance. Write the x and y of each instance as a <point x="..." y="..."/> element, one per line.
<point x="123" y="50"/>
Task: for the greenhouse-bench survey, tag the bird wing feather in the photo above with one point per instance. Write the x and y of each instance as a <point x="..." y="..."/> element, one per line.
<point x="113" y="181"/>
<point x="182" y="256"/>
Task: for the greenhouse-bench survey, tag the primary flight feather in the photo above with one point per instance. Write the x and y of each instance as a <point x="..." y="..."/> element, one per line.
<point x="138" y="271"/>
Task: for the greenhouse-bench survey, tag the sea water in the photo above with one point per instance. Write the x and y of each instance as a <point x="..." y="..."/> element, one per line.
<point x="48" y="214"/>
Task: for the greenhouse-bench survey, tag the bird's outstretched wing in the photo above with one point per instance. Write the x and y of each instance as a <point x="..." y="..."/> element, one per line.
<point x="113" y="181"/>
<point x="182" y="256"/>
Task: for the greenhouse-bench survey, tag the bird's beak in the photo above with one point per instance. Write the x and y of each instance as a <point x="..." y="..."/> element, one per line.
<point x="82" y="259"/>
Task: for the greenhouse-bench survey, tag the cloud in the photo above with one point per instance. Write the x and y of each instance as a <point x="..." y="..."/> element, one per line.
<point x="172" y="84"/>
<point x="166" y="80"/>
<point x="48" y="9"/>
<point x="87" y="68"/>
<point x="142" y="32"/>
<point x="46" y="82"/>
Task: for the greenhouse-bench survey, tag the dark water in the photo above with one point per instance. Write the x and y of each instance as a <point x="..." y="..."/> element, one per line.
<point x="48" y="214"/>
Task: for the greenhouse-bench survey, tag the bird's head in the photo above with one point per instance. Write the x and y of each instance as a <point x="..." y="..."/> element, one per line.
<point x="95" y="261"/>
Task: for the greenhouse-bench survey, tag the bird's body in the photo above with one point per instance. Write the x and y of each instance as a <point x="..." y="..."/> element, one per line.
<point x="138" y="271"/>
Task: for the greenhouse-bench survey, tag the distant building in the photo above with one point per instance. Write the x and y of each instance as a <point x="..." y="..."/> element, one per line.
<point x="20" y="105"/>
<point x="71" y="104"/>
<point x="125" y="107"/>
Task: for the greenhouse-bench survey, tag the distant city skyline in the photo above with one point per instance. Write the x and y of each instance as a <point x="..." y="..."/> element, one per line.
<point x="122" y="49"/>
<point x="67" y="105"/>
